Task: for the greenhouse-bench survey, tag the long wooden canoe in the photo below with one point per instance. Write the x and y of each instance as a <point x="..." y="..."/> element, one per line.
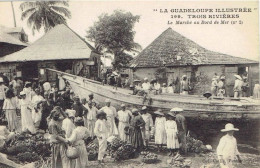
<point x="193" y="105"/>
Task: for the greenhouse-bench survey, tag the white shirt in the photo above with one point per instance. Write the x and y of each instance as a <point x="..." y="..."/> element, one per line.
<point x="146" y="86"/>
<point x="3" y="88"/>
<point x="148" y="121"/>
<point x="92" y="112"/>
<point x="157" y="86"/>
<point x="47" y="86"/>
<point x="101" y="128"/>
<point x="227" y="147"/>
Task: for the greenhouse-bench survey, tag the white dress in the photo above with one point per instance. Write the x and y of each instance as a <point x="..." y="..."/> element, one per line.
<point x="68" y="126"/>
<point x="36" y="116"/>
<point x="160" y="132"/>
<point x="10" y="113"/>
<point x="171" y="132"/>
<point x="77" y="139"/>
<point x="26" y="116"/>
<point x="101" y="131"/>
<point x="111" y="115"/>
<point x="124" y="118"/>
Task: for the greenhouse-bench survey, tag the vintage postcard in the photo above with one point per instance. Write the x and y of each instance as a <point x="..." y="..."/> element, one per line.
<point x="129" y="84"/>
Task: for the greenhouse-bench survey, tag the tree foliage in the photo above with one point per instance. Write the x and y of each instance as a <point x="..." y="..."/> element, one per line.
<point x="114" y="33"/>
<point x="45" y="14"/>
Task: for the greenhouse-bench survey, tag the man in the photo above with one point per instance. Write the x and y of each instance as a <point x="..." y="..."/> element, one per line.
<point x="184" y="85"/>
<point x="146" y="85"/>
<point x="78" y="107"/>
<point x="238" y="86"/>
<point x="90" y="117"/>
<point x="148" y="125"/>
<point x="182" y="128"/>
<point x="111" y="115"/>
<point x="91" y="99"/>
<point x="124" y="117"/>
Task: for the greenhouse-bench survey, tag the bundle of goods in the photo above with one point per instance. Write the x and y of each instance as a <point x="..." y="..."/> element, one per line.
<point x="178" y="161"/>
<point x="149" y="158"/>
<point x="92" y="149"/>
<point x="126" y="151"/>
<point x="114" y="144"/>
<point x="196" y="146"/>
<point x="28" y="148"/>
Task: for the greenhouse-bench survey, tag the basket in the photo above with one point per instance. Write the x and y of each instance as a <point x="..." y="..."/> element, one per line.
<point x="72" y="152"/>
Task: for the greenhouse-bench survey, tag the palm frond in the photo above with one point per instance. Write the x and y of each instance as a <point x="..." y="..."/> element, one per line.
<point x="27" y="12"/>
<point x="61" y="2"/>
<point x="26" y="5"/>
<point x="61" y="10"/>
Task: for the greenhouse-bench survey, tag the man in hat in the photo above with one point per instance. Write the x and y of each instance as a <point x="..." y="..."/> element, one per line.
<point x="227" y="147"/>
<point x="90" y="117"/>
<point x="3" y="89"/>
<point x="111" y="115"/>
<point x="146" y="85"/>
<point x="148" y="129"/>
<point x="238" y="86"/>
<point x="78" y="107"/>
<point x="124" y="117"/>
<point x="182" y="128"/>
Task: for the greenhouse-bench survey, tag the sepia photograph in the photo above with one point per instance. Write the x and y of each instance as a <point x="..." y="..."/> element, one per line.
<point x="129" y="84"/>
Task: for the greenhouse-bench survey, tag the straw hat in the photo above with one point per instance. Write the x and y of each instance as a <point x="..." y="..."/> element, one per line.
<point x="222" y="77"/>
<point x="145" y="78"/>
<point x="122" y="105"/>
<point x="229" y="127"/>
<point x="171" y="114"/>
<point x="159" y="112"/>
<point x="176" y="109"/>
<point x="164" y="84"/>
<point x="78" y="120"/>
<point x="134" y="110"/>
<point x="238" y="77"/>
<point x="144" y="108"/>
<point x="22" y="93"/>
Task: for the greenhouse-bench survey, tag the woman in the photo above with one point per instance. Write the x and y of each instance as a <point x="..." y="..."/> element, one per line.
<point x="47" y="106"/>
<point x="26" y="114"/>
<point x="124" y="117"/>
<point x="171" y="133"/>
<point x="160" y="133"/>
<point x="77" y="139"/>
<point x="68" y="123"/>
<point x="101" y="131"/>
<point x="10" y="110"/>
<point x="58" y="142"/>
<point x="136" y="125"/>
<point x="37" y="110"/>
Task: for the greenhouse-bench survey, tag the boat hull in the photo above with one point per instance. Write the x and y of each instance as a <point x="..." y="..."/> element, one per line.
<point x="193" y="106"/>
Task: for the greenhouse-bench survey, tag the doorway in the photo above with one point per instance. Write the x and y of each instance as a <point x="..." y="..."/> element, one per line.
<point x="29" y="71"/>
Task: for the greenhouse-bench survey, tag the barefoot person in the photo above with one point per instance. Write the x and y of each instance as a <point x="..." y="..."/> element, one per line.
<point x="227" y="147"/>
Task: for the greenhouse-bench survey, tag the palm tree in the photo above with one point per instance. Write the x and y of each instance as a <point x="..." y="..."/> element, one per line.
<point x="45" y="14"/>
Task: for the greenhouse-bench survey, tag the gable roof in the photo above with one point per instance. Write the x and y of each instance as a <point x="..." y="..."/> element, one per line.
<point x="58" y="44"/>
<point x="5" y="36"/>
<point x="173" y="49"/>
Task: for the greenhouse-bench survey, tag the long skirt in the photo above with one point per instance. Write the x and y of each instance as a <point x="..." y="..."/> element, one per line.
<point x="160" y="136"/>
<point x="102" y="142"/>
<point x="172" y="140"/>
<point x="56" y="157"/>
<point x="136" y="138"/>
<point x="121" y="130"/>
<point x="11" y="119"/>
<point x="27" y="122"/>
<point x="82" y="161"/>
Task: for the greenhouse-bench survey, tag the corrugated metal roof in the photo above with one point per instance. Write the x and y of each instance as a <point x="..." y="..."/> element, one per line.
<point x="58" y="44"/>
<point x="173" y="49"/>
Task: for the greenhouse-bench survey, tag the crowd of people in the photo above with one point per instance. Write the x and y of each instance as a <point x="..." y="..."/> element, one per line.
<point x="70" y="120"/>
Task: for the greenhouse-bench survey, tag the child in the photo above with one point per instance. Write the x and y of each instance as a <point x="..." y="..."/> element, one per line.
<point x="9" y="107"/>
<point x="171" y="133"/>
<point x="160" y="133"/>
<point x="101" y="131"/>
<point x="227" y="147"/>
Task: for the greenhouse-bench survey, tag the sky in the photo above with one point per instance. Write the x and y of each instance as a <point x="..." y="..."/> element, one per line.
<point x="241" y="40"/>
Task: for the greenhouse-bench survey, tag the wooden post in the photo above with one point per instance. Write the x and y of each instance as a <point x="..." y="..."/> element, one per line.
<point x="13" y="13"/>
